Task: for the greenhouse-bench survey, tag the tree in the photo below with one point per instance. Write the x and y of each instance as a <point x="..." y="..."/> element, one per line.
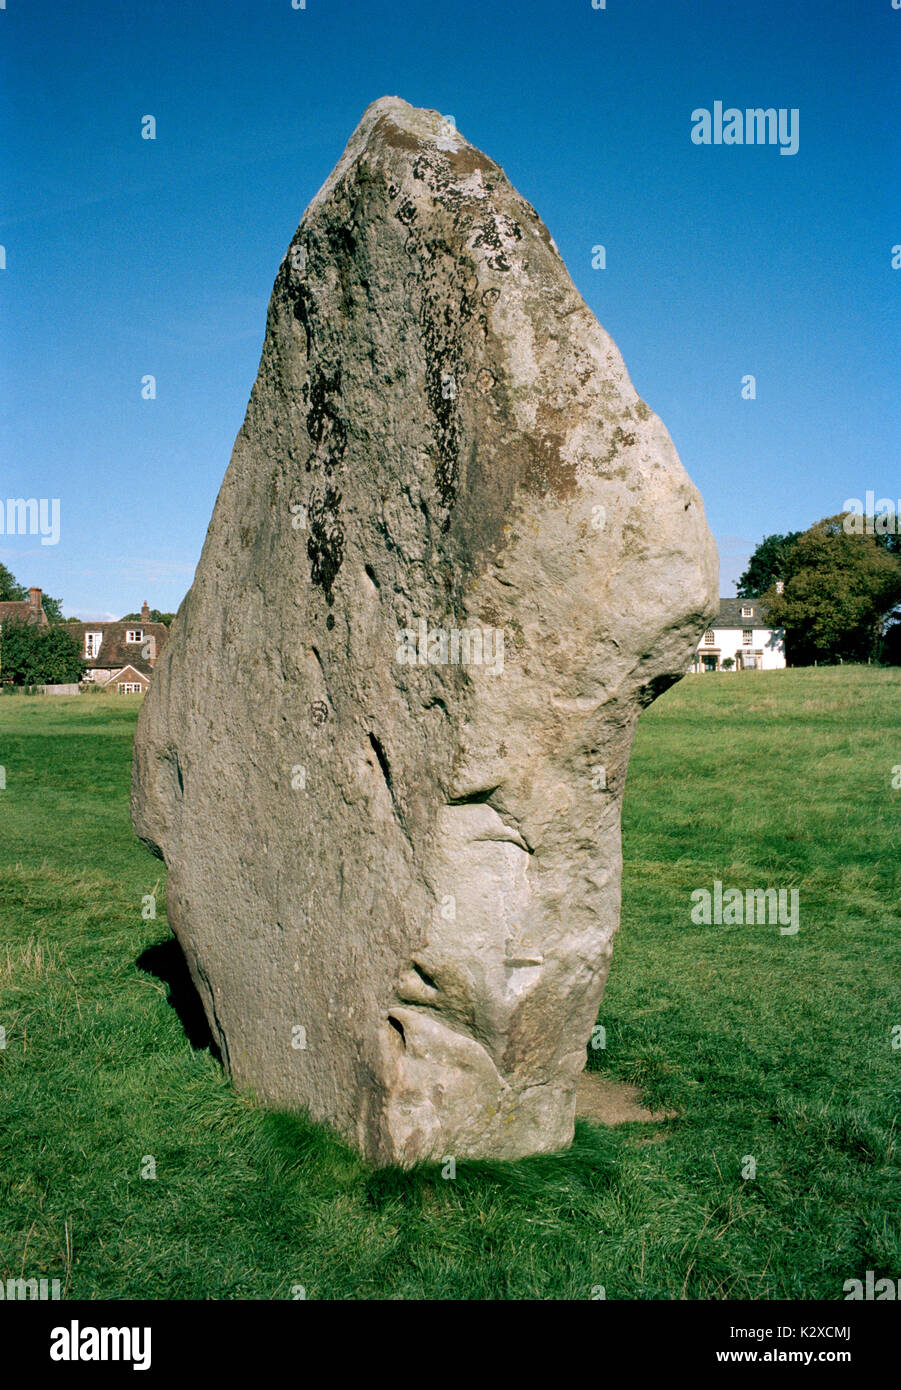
<point x="767" y="564"/>
<point x="839" y="590"/>
<point x="155" y="617"/>
<point x="10" y="591"/>
<point x="31" y="655"/>
<point x="53" y="607"/>
<point x="13" y="592"/>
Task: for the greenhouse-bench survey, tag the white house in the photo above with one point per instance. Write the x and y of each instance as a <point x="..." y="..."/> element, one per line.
<point x="121" y="654"/>
<point x="743" y="636"/>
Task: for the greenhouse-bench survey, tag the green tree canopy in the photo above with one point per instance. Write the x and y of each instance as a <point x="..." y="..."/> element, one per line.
<point x="13" y="592"/>
<point x="10" y="591"/>
<point x="155" y="617"/>
<point x="767" y="564"/>
<point x="31" y="655"/>
<point x="53" y="607"/>
<point x="840" y="589"/>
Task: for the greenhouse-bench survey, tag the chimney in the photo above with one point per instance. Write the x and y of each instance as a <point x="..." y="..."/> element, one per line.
<point x="145" y="612"/>
<point x="34" y="600"/>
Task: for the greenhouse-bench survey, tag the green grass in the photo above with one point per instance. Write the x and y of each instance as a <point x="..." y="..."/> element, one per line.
<point x="766" y="1045"/>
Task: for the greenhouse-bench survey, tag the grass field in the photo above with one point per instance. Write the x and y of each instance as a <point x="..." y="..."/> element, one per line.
<point x="768" y="1046"/>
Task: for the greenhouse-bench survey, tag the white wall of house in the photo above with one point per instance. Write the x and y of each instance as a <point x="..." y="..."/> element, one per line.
<point x="764" y="652"/>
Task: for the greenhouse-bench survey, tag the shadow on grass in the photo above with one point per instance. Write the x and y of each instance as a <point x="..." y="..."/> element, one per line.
<point x="166" y="962"/>
<point x="292" y="1141"/>
<point x="591" y="1164"/>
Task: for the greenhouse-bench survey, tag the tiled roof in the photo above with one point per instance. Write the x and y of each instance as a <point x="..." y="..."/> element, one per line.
<point x="731" y="614"/>
<point x="123" y="675"/>
<point x="115" y="652"/>
<point x="21" y="612"/>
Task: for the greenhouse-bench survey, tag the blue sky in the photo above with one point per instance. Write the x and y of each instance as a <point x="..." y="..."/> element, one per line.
<point x="127" y="257"/>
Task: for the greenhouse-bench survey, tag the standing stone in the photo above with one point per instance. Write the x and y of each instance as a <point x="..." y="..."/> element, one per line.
<point x="384" y="751"/>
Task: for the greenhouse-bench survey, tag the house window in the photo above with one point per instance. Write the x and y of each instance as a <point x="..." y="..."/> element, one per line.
<point x="134" y="634"/>
<point x="747" y="637"/>
<point x="708" y="638"/>
<point x="129" y="688"/>
<point x="92" y="641"/>
<point x="747" y="612"/>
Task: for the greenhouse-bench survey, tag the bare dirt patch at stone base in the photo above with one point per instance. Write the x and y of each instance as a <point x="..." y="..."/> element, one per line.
<point x="613" y="1102"/>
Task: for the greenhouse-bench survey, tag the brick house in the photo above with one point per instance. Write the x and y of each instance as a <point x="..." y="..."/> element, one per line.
<point x="121" y="654"/>
<point x="27" y="611"/>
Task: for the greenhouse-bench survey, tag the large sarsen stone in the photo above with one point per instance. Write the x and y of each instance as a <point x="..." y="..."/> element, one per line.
<point x="384" y="750"/>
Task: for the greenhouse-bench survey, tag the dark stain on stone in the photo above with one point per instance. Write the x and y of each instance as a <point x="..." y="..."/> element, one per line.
<point x="395" y="136"/>
<point x="488" y="236"/>
<point x="468" y="159"/>
<point x="325" y="544"/>
<point x="545" y="471"/>
<point x="324" y="425"/>
<point x="302" y="305"/>
<point x="443" y="308"/>
<point x="342" y="241"/>
<point x="497" y="260"/>
<point x="619" y="440"/>
<point x="328" y="436"/>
